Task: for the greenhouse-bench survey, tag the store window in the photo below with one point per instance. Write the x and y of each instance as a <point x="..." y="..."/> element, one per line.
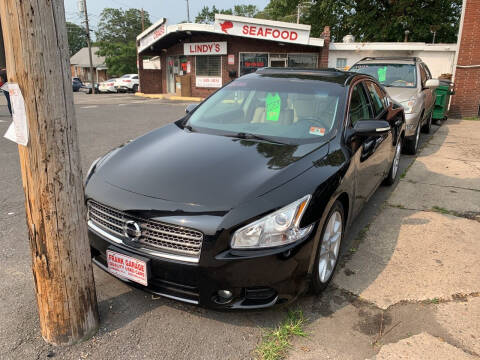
<point x="341" y="63"/>
<point x="250" y="62"/>
<point x="208" y="65"/>
<point x="308" y="61"/>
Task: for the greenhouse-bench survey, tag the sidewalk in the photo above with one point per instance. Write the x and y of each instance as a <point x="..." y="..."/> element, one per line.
<point x="413" y="284"/>
<point x="170" y="97"/>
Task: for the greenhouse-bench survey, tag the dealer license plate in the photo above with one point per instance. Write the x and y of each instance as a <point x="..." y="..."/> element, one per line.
<point x="127" y="267"/>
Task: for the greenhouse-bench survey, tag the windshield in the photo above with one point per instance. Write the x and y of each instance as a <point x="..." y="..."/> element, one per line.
<point x="278" y="107"/>
<point x="396" y="75"/>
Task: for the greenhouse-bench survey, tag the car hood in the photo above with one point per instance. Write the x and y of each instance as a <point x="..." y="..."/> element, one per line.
<point x="198" y="169"/>
<point x="401" y="94"/>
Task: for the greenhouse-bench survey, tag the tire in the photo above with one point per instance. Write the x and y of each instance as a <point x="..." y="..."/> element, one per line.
<point x="411" y="144"/>
<point x="428" y="125"/>
<point x="326" y="260"/>
<point x="393" y="173"/>
<point x="135" y="88"/>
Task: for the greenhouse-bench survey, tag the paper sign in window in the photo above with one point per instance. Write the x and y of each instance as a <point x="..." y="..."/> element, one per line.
<point x="382" y="74"/>
<point x="273" y="104"/>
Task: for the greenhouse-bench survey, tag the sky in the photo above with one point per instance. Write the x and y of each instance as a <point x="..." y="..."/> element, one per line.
<point x="174" y="10"/>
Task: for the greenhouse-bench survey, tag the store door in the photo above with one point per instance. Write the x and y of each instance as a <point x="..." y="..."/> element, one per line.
<point x="278" y="60"/>
<point x="173" y="69"/>
<point x="278" y="63"/>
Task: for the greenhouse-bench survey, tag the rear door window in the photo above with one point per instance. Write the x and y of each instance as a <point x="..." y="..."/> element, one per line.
<point x="423" y="74"/>
<point x="359" y="105"/>
<point x="377" y="97"/>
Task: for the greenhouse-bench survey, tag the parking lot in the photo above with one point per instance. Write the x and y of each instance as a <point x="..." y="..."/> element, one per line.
<point x="401" y="275"/>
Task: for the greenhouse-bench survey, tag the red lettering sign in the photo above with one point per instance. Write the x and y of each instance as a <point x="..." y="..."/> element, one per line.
<point x="265" y="32"/>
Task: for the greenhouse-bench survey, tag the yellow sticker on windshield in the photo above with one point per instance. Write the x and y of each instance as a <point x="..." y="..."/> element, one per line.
<point x="273" y="104"/>
<point x="382" y="74"/>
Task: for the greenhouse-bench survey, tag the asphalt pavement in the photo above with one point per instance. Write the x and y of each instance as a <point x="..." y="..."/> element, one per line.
<point x="134" y="324"/>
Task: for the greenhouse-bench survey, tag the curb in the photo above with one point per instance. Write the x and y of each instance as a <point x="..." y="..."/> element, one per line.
<point x="169" y="97"/>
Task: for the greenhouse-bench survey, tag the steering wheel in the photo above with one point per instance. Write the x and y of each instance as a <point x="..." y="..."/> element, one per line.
<point x="312" y="120"/>
<point x="400" y="81"/>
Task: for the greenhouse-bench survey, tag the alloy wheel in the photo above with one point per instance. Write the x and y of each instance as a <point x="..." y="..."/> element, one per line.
<point x="330" y="246"/>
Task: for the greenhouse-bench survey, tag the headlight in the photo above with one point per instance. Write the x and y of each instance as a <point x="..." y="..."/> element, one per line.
<point x="278" y="228"/>
<point x="409" y="105"/>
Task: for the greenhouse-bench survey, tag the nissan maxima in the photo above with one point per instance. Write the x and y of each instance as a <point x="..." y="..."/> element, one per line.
<point x="244" y="202"/>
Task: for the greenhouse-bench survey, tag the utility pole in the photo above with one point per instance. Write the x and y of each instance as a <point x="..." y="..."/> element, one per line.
<point x="188" y="11"/>
<point x="298" y="13"/>
<point x="36" y="47"/>
<point x="89" y="44"/>
<point x="143" y="19"/>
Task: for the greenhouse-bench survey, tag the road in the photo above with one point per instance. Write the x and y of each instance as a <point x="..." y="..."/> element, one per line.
<point x="133" y="323"/>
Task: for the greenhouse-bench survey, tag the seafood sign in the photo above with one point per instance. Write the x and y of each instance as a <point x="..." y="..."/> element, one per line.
<point x="265" y="30"/>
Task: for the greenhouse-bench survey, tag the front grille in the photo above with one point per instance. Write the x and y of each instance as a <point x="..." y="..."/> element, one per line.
<point x="170" y="238"/>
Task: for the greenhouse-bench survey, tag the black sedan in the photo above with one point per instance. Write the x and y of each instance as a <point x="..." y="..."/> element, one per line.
<point x="244" y="202"/>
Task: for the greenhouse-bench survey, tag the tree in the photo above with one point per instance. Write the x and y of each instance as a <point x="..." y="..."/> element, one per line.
<point x="207" y="16"/>
<point x="373" y="20"/>
<point x="245" y="10"/>
<point x="77" y="38"/>
<point x="280" y="10"/>
<point x="116" y="38"/>
<point x="387" y="20"/>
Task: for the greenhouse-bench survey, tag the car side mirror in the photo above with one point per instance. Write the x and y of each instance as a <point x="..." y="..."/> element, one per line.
<point x="432" y="83"/>
<point x="371" y="127"/>
<point x="190" y="108"/>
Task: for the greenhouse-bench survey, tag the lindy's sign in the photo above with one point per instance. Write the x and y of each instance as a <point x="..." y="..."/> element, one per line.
<point x="205" y="48"/>
<point x="261" y="29"/>
<point x="153" y="36"/>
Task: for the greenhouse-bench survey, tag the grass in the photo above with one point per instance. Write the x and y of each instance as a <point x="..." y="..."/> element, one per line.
<point x="276" y="342"/>
<point x="441" y="210"/>
<point x="406" y="170"/>
<point x="474" y="118"/>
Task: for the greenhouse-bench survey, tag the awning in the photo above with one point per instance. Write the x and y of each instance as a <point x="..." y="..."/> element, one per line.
<point x="162" y="35"/>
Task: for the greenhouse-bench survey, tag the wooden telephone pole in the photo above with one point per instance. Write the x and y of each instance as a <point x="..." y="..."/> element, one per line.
<point x="89" y="45"/>
<point x="35" y="39"/>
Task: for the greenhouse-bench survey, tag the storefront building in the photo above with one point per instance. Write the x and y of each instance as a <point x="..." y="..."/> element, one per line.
<point x="197" y="59"/>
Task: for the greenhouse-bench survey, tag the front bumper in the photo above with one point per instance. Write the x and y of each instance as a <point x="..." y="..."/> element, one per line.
<point x="123" y="88"/>
<point x="411" y="122"/>
<point x="256" y="279"/>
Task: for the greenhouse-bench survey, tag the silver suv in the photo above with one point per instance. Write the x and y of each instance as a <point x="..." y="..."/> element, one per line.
<point x="409" y="82"/>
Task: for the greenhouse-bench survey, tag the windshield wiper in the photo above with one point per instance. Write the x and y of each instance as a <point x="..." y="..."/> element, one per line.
<point x="244" y="135"/>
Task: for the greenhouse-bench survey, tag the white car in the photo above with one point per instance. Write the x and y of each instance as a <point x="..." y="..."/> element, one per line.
<point x="128" y="82"/>
<point x="108" y="86"/>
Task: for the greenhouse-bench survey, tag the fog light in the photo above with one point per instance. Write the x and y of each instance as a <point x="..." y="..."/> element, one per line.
<point x="223" y="296"/>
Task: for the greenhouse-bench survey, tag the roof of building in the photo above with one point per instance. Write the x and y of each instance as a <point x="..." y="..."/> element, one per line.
<point x="392" y="46"/>
<point x="81" y="58"/>
<point x="170" y="34"/>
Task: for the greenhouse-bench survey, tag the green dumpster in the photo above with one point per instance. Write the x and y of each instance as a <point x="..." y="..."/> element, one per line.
<point x="442" y="97"/>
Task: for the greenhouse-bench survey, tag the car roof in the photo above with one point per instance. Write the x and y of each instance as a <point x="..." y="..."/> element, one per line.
<point x="390" y="60"/>
<point x="327" y="74"/>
